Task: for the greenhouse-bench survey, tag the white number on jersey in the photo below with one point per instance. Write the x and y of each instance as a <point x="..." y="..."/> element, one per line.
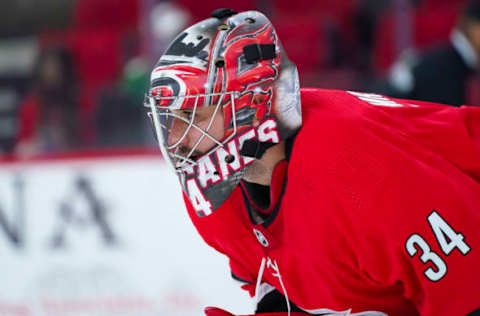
<point x="442" y="231"/>
<point x="426" y="256"/>
<point x="198" y="200"/>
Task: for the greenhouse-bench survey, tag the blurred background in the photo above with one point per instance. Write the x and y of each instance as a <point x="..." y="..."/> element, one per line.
<point x="75" y="237"/>
<point x="73" y="72"/>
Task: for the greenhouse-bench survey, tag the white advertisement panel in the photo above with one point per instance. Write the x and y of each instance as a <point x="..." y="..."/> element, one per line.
<point x="105" y="236"/>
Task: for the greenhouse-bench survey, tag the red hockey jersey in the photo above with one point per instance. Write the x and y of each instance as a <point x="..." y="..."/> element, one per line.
<point x="377" y="209"/>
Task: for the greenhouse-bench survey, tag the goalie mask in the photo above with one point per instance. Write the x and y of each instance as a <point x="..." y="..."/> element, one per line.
<point x="222" y="93"/>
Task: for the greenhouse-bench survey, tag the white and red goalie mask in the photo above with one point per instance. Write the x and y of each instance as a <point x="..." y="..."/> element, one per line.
<point x="235" y="64"/>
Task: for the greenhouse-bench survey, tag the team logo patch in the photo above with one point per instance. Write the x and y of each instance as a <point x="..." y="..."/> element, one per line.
<point x="260" y="237"/>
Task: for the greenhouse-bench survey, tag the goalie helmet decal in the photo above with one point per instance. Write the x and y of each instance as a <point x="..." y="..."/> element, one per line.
<point x="236" y="66"/>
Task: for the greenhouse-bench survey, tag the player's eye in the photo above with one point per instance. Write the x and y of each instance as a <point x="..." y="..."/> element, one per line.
<point x="187" y="114"/>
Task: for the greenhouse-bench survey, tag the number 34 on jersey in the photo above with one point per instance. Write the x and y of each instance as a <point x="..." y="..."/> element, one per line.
<point x="447" y="238"/>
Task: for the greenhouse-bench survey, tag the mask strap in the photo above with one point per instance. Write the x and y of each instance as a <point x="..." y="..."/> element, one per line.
<point x="255" y="149"/>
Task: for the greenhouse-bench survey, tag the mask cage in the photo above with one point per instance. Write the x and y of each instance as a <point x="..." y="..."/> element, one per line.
<point x="163" y="117"/>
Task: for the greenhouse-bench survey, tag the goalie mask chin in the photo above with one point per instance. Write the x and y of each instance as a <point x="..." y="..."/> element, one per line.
<point x="234" y="64"/>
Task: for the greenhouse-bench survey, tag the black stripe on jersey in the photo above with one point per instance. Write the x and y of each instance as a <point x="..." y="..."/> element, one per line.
<point x="247" y="195"/>
<point x="289" y="143"/>
<point x="272" y="216"/>
<point x="275" y="302"/>
<point x="236" y="278"/>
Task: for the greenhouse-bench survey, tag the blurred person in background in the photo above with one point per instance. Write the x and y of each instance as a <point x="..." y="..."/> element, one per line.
<point x="118" y="101"/>
<point x="118" y="108"/>
<point x="441" y="75"/>
<point x="49" y="117"/>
